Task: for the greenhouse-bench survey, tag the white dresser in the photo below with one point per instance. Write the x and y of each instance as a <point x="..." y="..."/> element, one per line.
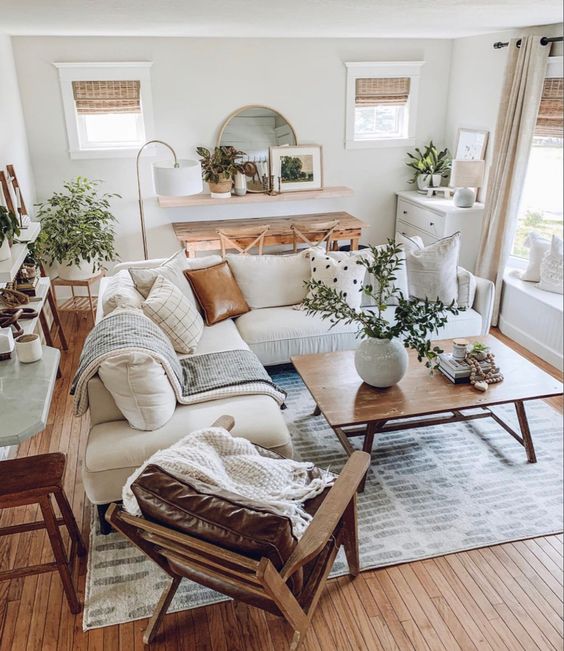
<point x="433" y="218"/>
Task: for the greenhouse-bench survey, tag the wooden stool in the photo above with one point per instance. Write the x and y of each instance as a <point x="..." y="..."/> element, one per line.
<point x="32" y="480"/>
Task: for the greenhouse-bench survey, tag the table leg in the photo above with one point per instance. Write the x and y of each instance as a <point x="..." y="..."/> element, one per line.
<point x="354" y="244"/>
<point x="316" y="411"/>
<point x="525" y="431"/>
<point x="56" y="319"/>
<point x="90" y="301"/>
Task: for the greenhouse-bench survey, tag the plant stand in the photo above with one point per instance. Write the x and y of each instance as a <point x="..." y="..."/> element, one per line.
<point x="79" y="304"/>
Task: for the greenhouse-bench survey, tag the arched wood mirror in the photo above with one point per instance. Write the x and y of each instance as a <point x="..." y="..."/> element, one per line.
<point x="254" y="129"/>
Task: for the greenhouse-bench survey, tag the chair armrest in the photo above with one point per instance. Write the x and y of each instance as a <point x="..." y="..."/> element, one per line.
<point x="484" y="302"/>
<point x="329" y="513"/>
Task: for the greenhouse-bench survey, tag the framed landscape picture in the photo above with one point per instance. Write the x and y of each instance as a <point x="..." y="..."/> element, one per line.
<point x="471" y="144"/>
<point x="296" y="168"/>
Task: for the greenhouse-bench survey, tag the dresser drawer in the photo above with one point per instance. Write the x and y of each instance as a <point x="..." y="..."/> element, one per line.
<point x="425" y="220"/>
<point x="409" y="231"/>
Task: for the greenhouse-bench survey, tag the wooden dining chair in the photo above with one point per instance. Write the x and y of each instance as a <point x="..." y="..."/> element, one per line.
<point x="243" y="240"/>
<point x="291" y="591"/>
<point x="314" y="234"/>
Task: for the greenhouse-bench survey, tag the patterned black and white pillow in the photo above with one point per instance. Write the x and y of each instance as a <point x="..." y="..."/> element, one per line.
<point x="343" y="275"/>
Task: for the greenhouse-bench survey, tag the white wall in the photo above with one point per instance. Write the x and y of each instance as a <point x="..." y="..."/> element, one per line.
<point x="197" y="82"/>
<point x="13" y="141"/>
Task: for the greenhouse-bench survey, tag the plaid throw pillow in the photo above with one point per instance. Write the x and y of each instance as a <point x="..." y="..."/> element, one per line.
<point x="177" y="317"/>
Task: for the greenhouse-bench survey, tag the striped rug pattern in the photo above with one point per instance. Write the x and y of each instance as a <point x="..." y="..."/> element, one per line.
<point x="429" y="492"/>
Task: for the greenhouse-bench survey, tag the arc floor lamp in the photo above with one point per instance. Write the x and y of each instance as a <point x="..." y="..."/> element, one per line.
<point x="177" y="178"/>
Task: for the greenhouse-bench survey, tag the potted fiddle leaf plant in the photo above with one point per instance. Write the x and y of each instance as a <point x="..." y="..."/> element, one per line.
<point x="381" y="360"/>
<point x="77" y="229"/>
<point x="9" y="229"/>
<point x="430" y="166"/>
<point x="219" y="167"/>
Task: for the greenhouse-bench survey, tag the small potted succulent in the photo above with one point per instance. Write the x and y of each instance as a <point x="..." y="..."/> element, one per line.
<point x="76" y="230"/>
<point x="219" y="167"/>
<point x="9" y="229"/>
<point x="381" y="360"/>
<point x="430" y="166"/>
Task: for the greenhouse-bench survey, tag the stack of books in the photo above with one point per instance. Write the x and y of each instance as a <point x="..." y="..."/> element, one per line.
<point x="456" y="371"/>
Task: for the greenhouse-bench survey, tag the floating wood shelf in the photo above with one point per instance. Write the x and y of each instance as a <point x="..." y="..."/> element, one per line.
<point x="206" y="200"/>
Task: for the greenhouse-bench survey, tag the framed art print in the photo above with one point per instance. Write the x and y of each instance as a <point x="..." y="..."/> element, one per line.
<point x="296" y="168"/>
<point x="471" y="144"/>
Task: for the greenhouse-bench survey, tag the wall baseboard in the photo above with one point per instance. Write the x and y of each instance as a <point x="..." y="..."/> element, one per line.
<point x="545" y="352"/>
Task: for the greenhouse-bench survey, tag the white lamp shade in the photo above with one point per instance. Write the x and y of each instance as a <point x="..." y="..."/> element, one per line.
<point x="181" y="181"/>
<point x="467" y="173"/>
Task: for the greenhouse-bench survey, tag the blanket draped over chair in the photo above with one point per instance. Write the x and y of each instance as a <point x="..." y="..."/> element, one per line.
<point x="198" y="378"/>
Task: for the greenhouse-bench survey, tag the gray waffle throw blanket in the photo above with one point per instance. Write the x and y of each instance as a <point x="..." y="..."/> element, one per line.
<point x="194" y="379"/>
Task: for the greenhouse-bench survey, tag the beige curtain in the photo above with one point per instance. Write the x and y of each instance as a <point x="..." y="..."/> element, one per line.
<point x="516" y="120"/>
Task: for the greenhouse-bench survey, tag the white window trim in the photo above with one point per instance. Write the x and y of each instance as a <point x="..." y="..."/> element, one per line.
<point x="367" y="69"/>
<point x="101" y="71"/>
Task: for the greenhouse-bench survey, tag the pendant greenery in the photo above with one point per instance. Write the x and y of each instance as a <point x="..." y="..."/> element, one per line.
<point x="413" y="321"/>
<point x="77" y="225"/>
<point x="9" y="225"/>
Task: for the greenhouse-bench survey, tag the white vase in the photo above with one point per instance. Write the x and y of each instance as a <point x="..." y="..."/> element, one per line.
<point x="82" y="271"/>
<point x="423" y="181"/>
<point x="436" y="180"/>
<point x="5" y="252"/>
<point x="381" y="362"/>
<point x="240" y="184"/>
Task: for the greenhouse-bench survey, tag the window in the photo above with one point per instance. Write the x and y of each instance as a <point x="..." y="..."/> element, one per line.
<point x="541" y="200"/>
<point x="381" y="104"/>
<point x="108" y="109"/>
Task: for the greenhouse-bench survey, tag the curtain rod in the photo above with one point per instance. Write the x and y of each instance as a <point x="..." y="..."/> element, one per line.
<point x="545" y="40"/>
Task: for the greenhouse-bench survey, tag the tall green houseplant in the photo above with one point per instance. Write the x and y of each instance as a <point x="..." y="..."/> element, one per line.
<point x="77" y="227"/>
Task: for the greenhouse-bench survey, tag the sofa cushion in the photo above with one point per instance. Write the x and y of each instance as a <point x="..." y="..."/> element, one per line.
<point x="466" y="288"/>
<point x="432" y="270"/>
<point x="120" y="291"/>
<point x="538" y="246"/>
<point x="217" y="292"/>
<point x="551" y="267"/>
<point x="216" y="516"/>
<point x="140" y="389"/>
<point x="271" y="280"/>
<point x="176" y="315"/>
<point x="343" y="275"/>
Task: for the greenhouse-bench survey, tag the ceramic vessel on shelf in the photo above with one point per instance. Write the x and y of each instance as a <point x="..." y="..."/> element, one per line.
<point x="423" y="181"/>
<point x="381" y="362"/>
<point x="5" y="252"/>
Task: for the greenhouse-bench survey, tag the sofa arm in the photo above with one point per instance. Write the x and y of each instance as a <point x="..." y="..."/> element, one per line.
<point x="144" y="264"/>
<point x="484" y="302"/>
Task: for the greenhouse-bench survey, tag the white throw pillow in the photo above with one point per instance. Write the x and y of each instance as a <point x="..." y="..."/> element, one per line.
<point x="551" y="267"/>
<point x="140" y="389"/>
<point x="177" y="316"/>
<point x="343" y="275"/>
<point x="172" y="269"/>
<point x="271" y="280"/>
<point x="120" y="292"/>
<point x="466" y="288"/>
<point x="538" y="246"/>
<point x="432" y="270"/>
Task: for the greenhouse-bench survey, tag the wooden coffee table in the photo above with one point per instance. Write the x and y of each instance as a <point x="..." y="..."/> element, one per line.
<point x="354" y="408"/>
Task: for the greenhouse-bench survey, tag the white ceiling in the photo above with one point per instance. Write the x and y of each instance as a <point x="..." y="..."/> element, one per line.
<point x="274" y="18"/>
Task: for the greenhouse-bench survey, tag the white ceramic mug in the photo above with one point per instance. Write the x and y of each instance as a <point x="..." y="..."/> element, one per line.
<point x="29" y="348"/>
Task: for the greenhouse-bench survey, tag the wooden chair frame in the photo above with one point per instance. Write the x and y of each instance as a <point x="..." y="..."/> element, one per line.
<point x="249" y="576"/>
<point x="324" y="230"/>
<point x="235" y="239"/>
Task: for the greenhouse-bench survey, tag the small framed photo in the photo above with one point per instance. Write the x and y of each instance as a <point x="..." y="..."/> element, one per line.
<point x="298" y="167"/>
<point x="471" y="144"/>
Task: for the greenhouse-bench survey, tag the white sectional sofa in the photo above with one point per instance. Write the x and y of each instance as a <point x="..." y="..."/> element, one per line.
<point x="275" y="332"/>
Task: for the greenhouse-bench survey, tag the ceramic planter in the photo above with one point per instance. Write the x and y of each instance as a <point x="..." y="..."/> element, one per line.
<point x="423" y="181"/>
<point x="436" y="180"/>
<point x="5" y="252"/>
<point x="83" y="271"/>
<point x="240" y="184"/>
<point x="381" y="362"/>
<point x="221" y="189"/>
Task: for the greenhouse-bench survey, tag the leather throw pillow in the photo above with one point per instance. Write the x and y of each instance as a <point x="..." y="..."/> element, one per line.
<point x="217" y="292"/>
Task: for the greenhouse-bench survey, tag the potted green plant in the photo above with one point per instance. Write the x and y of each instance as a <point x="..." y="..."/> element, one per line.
<point x="381" y="359"/>
<point x="76" y="229"/>
<point x="219" y="168"/>
<point x="9" y="229"/>
<point x="430" y="166"/>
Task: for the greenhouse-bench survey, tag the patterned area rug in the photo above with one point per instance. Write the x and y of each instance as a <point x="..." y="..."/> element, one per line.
<point x="429" y="492"/>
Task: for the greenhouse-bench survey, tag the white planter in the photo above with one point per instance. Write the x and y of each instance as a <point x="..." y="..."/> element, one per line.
<point x="83" y="271"/>
<point x="5" y="252"/>
<point x="381" y="362"/>
<point x="423" y="181"/>
<point x="436" y="180"/>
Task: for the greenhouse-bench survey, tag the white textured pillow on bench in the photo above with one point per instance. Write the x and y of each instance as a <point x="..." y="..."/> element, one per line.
<point x="140" y="389"/>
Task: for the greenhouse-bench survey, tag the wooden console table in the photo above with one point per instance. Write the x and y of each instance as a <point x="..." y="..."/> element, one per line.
<point x="203" y="236"/>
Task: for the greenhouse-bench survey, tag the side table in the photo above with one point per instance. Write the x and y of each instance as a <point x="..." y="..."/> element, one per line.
<point x="78" y="304"/>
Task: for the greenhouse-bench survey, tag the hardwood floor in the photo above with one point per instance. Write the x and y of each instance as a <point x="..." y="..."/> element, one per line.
<point x="503" y="597"/>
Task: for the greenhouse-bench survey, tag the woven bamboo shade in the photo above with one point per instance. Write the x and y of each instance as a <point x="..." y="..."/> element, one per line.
<point x="382" y="90"/>
<point x="120" y="96"/>
<point x="550" y="120"/>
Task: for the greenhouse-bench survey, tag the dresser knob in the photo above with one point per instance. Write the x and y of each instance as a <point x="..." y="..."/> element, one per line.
<point x="405" y="212"/>
<point x="431" y="223"/>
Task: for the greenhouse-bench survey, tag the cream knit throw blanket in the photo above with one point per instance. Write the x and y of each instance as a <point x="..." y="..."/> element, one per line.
<point x="217" y="458"/>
